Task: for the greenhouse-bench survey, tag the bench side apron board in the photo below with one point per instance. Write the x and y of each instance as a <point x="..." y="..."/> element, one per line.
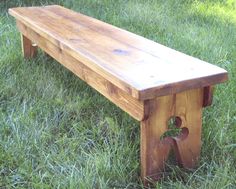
<point x="149" y="81"/>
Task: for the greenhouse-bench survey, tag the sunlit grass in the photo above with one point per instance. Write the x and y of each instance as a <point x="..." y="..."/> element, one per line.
<point x="218" y="10"/>
<point x="56" y="132"/>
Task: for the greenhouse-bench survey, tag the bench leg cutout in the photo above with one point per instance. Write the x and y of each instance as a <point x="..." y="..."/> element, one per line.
<point x="29" y="49"/>
<point x="187" y="108"/>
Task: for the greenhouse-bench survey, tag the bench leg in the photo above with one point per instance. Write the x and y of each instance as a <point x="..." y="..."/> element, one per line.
<point x="154" y="152"/>
<point x="29" y="49"/>
<point x="187" y="107"/>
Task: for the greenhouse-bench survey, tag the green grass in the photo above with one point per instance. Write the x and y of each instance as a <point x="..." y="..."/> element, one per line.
<point x="56" y="132"/>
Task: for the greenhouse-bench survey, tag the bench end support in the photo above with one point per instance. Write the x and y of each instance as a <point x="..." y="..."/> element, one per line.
<point x="187" y="107"/>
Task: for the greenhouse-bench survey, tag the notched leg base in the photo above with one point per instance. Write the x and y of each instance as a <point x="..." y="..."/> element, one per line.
<point x="186" y="107"/>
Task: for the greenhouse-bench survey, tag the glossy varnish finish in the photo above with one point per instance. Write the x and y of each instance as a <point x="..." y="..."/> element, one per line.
<point x="142" y="68"/>
<point x="151" y="82"/>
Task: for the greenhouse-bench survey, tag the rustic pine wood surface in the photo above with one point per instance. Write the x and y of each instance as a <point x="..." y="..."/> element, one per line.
<point x="140" y="67"/>
<point x="187" y="106"/>
<point x="125" y="101"/>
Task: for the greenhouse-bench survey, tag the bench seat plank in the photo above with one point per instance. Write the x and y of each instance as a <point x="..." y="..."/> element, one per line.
<point x="129" y="104"/>
<point x="140" y="67"/>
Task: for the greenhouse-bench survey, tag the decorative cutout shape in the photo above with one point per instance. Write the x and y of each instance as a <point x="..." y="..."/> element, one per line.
<point x="174" y="130"/>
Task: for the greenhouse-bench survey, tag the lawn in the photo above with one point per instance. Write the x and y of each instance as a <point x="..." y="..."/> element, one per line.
<point x="57" y="132"/>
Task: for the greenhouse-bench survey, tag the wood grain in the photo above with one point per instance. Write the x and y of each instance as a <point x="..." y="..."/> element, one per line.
<point x="126" y="102"/>
<point x="154" y="152"/>
<point x="188" y="107"/>
<point x="29" y="49"/>
<point x="140" y="67"/>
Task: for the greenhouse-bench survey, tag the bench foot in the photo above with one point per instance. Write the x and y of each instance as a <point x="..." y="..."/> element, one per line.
<point x="29" y="49"/>
<point x="186" y="108"/>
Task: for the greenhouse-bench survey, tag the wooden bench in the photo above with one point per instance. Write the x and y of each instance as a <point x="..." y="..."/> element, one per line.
<point x="149" y="81"/>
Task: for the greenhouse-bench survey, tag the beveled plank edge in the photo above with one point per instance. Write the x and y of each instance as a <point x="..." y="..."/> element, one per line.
<point x="80" y="57"/>
<point x="132" y="106"/>
<point x="184" y="85"/>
